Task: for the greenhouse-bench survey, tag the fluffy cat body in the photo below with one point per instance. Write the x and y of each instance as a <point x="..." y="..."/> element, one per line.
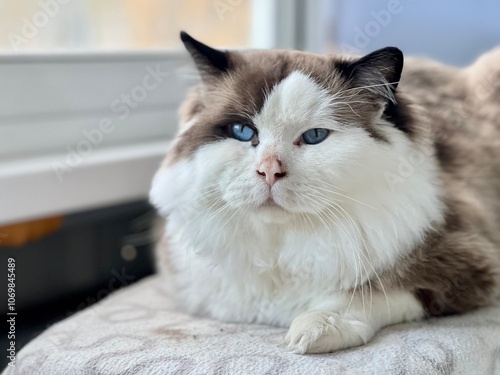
<point x="379" y="223"/>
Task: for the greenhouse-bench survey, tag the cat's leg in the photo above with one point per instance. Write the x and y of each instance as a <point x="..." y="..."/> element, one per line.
<point x="324" y="331"/>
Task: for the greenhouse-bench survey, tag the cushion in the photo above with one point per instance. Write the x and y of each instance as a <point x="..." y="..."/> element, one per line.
<point x="137" y="331"/>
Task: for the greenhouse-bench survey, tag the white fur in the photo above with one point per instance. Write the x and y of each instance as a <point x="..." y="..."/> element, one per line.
<point x="340" y="224"/>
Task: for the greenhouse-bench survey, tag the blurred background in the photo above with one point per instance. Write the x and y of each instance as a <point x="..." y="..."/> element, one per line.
<point x="88" y="97"/>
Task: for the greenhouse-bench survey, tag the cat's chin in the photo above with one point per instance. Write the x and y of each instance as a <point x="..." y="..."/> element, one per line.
<point x="271" y="212"/>
<point x="271" y="204"/>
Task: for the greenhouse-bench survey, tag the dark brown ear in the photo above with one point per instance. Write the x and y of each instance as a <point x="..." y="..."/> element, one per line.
<point x="379" y="71"/>
<point x="209" y="61"/>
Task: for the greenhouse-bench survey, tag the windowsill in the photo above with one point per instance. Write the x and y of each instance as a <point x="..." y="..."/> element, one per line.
<point x="108" y="176"/>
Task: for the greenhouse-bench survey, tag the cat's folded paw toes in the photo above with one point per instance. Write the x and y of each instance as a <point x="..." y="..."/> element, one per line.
<point x="324" y="332"/>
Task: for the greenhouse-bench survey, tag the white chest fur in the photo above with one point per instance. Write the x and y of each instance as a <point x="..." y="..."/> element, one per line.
<point x="239" y="267"/>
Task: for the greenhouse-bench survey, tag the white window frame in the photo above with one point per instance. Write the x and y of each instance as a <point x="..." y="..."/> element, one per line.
<point x="299" y="24"/>
<point x="43" y="175"/>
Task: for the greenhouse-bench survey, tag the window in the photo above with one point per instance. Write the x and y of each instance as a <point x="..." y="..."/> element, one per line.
<point x="96" y="25"/>
<point x="454" y="32"/>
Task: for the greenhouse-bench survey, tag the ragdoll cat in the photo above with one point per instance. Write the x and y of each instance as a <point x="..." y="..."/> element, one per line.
<point x="315" y="193"/>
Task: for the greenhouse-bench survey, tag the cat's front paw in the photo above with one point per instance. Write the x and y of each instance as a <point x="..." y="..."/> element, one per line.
<point x="325" y="332"/>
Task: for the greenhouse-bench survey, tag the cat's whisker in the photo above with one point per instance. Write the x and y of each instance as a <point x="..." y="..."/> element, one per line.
<point x="342" y="227"/>
<point x="322" y="198"/>
<point x="201" y="197"/>
<point x="354" y="289"/>
<point x="325" y="223"/>
<point x="214" y="214"/>
<point x="236" y="210"/>
<point x="340" y="194"/>
<point x="367" y="259"/>
<point x="190" y="218"/>
<point x="221" y="227"/>
<point x="349" y="218"/>
<point x="331" y="185"/>
<point x="320" y="217"/>
<point x="208" y="190"/>
<point x="371" y="86"/>
<point x="360" y="264"/>
<point x="358" y="271"/>
<point x="195" y="204"/>
<point x="350" y="107"/>
<point x="353" y="101"/>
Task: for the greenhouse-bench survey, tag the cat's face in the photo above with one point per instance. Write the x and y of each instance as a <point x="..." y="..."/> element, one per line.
<point x="276" y="134"/>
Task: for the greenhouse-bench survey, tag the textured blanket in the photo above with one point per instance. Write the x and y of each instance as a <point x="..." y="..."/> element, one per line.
<point x="137" y="331"/>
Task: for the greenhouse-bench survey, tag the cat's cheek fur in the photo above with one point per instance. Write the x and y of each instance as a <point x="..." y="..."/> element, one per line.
<point x="188" y="181"/>
<point x="171" y="187"/>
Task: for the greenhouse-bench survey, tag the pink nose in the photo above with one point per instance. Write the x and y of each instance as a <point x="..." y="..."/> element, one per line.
<point x="271" y="169"/>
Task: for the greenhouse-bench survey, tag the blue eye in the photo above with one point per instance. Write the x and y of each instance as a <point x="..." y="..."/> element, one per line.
<point x="314" y="136"/>
<point x="242" y="132"/>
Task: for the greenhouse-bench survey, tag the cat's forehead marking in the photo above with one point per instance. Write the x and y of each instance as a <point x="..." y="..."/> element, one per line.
<point x="302" y="101"/>
<point x="294" y="102"/>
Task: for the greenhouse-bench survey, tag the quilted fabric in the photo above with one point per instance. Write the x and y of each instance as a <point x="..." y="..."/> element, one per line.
<point x="137" y="331"/>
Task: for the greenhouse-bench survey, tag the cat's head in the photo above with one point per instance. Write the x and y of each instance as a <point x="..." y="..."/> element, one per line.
<point x="279" y="133"/>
